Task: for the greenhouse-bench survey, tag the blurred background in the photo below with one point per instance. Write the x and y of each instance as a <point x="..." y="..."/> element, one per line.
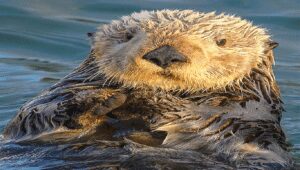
<point x="41" y="41"/>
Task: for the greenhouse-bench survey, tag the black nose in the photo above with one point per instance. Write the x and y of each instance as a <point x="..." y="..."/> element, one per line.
<point x="164" y="56"/>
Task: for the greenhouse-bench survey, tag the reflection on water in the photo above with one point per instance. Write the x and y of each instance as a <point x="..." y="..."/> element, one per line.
<point x="41" y="41"/>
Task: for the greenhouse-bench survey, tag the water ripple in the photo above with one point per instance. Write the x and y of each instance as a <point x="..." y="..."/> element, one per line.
<point x="36" y="64"/>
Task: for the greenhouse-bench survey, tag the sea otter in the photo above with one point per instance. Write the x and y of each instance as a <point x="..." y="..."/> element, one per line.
<point x="173" y="81"/>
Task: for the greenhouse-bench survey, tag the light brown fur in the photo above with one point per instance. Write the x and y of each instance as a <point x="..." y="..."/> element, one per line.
<point x="194" y="35"/>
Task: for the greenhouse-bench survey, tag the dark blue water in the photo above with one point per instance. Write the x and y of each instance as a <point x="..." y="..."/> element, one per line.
<point x="41" y="41"/>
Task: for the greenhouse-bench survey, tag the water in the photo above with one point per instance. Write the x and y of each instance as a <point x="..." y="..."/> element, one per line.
<point x="41" y="41"/>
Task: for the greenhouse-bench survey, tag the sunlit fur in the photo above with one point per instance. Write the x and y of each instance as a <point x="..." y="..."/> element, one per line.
<point x="194" y="35"/>
<point x="230" y="105"/>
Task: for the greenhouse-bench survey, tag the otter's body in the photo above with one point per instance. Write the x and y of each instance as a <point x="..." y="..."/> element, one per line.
<point x="169" y="90"/>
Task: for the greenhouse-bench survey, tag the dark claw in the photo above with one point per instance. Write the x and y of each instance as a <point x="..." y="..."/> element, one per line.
<point x="110" y="104"/>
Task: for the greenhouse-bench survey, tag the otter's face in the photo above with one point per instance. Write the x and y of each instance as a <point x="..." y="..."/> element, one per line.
<point x="179" y="50"/>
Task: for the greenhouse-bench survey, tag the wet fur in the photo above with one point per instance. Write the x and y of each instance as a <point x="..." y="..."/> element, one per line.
<point x="223" y="102"/>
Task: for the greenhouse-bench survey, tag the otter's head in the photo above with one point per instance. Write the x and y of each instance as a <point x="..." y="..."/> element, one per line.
<point x="179" y="50"/>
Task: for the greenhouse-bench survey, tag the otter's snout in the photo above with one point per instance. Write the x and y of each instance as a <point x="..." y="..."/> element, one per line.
<point x="164" y="56"/>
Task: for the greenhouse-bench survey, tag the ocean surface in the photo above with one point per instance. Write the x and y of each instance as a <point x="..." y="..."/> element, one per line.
<point x="41" y="41"/>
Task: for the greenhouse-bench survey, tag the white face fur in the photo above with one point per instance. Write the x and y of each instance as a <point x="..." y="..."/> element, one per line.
<point x="219" y="49"/>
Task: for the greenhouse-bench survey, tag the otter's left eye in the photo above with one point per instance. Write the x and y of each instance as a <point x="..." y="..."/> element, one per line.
<point x="221" y="42"/>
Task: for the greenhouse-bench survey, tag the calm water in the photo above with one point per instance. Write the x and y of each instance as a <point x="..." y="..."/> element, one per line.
<point x="41" y="41"/>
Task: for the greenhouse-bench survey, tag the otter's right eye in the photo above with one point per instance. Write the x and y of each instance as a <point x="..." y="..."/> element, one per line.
<point x="125" y="38"/>
<point x="129" y="36"/>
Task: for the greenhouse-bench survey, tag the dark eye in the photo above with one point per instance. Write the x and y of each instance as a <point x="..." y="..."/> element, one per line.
<point x="128" y="36"/>
<point x="124" y="38"/>
<point x="221" y="42"/>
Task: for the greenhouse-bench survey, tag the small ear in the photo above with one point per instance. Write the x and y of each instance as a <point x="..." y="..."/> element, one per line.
<point x="273" y="44"/>
<point x="90" y="34"/>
